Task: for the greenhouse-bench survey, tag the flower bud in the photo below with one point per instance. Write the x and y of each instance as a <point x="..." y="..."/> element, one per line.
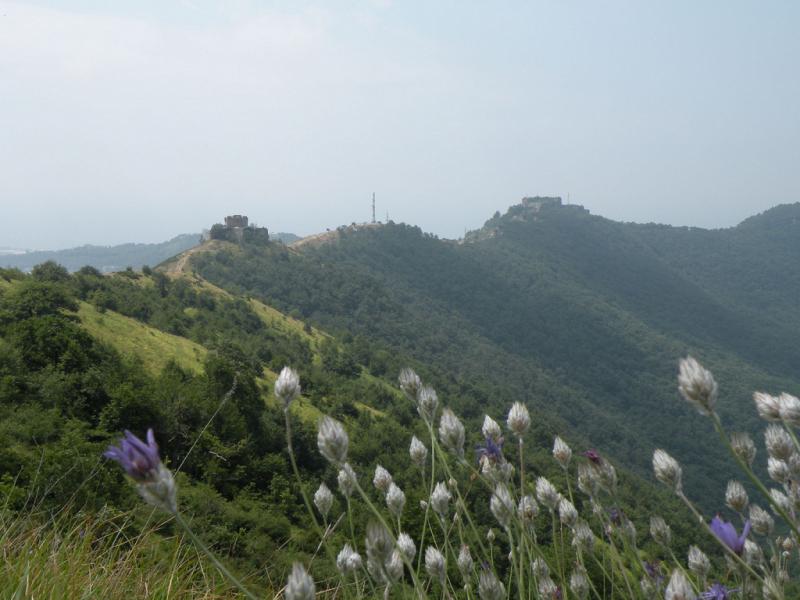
<point x="527" y="510"/>
<point x="418" y="452"/>
<point x="540" y="568"/>
<point x="502" y="505"/>
<point x="406" y="546"/>
<point x="451" y="432"/>
<point x="579" y="583"/>
<point x="660" y="531"/>
<point x="768" y="407"/>
<point x="697" y="385"/>
<point x="395" y="500"/>
<point x="582" y="536"/>
<point x="743" y="447"/>
<point x="490" y="536"/>
<point x="323" y="500"/>
<point x="588" y="482"/>
<point x="465" y="563"/>
<point x="752" y="553"/>
<point x="546" y="493"/>
<point x="679" y="587"/>
<point x="761" y="521"/>
<point x="736" y="496"/>
<point x="778" y="442"/>
<point x="427" y="403"/>
<point x="347" y="480"/>
<point x="698" y="562"/>
<point x="548" y="589"/>
<point x="567" y="513"/>
<point x="778" y="470"/>
<point x="491" y="429"/>
<point x="410" y="383"/>
<point x="562" y="452"/>
<point x="781" y="499"/>
<point x="667" y="470"/>
<point x="789" y="409"/>
<point x="287" y="386"/>
<point x="332" y="440"/>
<point x="300" y="586"/>
<point x="434" y="563"/>
<point x="348" y="561"/>
<point x="382" y="479"/>
<point x="440" y="499"/>
<point x="490" y="587"/>
<point x="519" y="420"/>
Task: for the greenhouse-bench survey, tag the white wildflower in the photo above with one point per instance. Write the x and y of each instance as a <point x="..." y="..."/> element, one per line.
<point x="406" y="546"/>
<point x="491" y="429"/>
<point x="567" y="513"/>
<point x="440" y="499"/>
<point x="465" y="563"/>
<point x="382" y="479"/>
<point x="743" y="447"/>
<point x="519" y="420"/>
<point x="347" y="480"/>
<point x="323" y="500"/>
<point x="579" y="583"/>
<point x="332" y="440"/>
<point x="679" y="587"/>
<point x="502" y="505"/>
<point x="779" y="442"/>
<point x="697" y="385"/>
<point x="789" y="409"/>
<point x="546" y="493"/>
<point x="434" y="563"/>
<point x="698" y="562"/>
<point x="562" y="452"/>
<point x="427" y="403"/>
<point x="490" y="587"/>
<point x="736" y="496"/>
<point x="527" y="510"/>
<point x="667" y="470"/>
<point x="768" y="407"/>
<point x="761" y="521"/>
<point x="451" y="432"/>
<point x="778" y="470"/>
<point x="287" y="386"/>
<point x="395" y="500"/>
<point x="300" y="586"/>
<point x="418" y="452"/>
<point x="660" y="531"/>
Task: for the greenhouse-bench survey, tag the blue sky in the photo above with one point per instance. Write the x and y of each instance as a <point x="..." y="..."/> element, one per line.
<point x="137" y="121"/>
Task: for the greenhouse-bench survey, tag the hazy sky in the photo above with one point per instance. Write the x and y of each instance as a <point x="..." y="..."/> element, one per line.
<point x="137" y="123"/>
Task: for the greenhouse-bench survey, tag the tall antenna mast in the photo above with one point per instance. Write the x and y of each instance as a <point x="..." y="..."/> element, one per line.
<point x="373" y="208"/>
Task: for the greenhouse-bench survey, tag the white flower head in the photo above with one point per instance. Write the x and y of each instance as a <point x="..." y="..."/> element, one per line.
<point x="323" y="500"/>
<point x="768" y="407"/>
<point x="567" y="513"/>
<point x="300" y="586"/>
<point x="440" y="499"/>
<point x="527" y="510"/>
<point x="547" y="588"/>
<point x="519" y="419"/>
<point x="660" y="531"/>
<point x="434" y="563"/>
<point x="779" y="442"/>
<point x="546" y="493"/>
<point x="582" y="536"/>
<point x="348" y="561"/>
<point x="490" y="587"/>
<point x="410" y="383"/>
<point x="418" y="452"/>
<point x="464" y="562"/>
<point x="406" y="546"/>
<point x="736" y="496"/>
<point x="382" y="479"/>
<point x="761" y="520"/>
<point x="427" y="403"/>
<point x="395" y="500"/>
<point x="562" y="452"/>
<point x="679" y="587"/>
<point x="502" y="505"/>
<point x="698" y="562"/>
<point x="778" y="470"/>
<point x="540" y="568"/>
<point x="347" y="480"/>
<point x="491" y="429"/>
<point x="697" y="385"/>
<point x="789" y="409"/>
<point x="332" y="440"/>
<point x="579" y="583"/>
<point x="451" y="432"/>
<point x="667" y="470"/>
<point x="287" y="386"/>
<point x="743" y="447"/>
<point x="394" y="568"/>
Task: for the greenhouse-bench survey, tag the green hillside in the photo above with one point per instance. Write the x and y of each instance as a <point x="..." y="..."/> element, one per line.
<point x="582" y="317"/>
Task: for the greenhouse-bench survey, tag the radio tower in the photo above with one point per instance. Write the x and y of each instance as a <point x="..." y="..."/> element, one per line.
<point x="373" y="208"/>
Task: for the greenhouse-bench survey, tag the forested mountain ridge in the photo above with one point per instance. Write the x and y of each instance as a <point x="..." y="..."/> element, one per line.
<point x="582" y="317"/>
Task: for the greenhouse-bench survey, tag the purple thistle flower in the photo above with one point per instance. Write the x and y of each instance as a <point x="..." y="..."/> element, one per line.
<point x="717" y="592"/>
<point x="143" y="464"/>
<point x="491" y="450"/>
<point x="593" y="455"/>
<point x="726" y="533"/>
<point x="139" y="460"/>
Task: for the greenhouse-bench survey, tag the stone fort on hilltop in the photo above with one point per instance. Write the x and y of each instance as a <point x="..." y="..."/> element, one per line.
<point x="238" y="229"/>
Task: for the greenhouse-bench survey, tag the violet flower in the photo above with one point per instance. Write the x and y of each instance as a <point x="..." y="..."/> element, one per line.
<point x="491" y="450"/>
<point x="717" y="592"/>
<point x="593" y="455"/>
<point x="142" y="463"/>
<point x="726" y="533"/>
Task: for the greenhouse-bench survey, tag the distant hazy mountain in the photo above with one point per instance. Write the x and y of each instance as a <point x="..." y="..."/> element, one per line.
<point x="111" y="258"/>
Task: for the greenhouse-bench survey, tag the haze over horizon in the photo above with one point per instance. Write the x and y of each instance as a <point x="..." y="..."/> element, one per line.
<point x="138" y="122"/>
